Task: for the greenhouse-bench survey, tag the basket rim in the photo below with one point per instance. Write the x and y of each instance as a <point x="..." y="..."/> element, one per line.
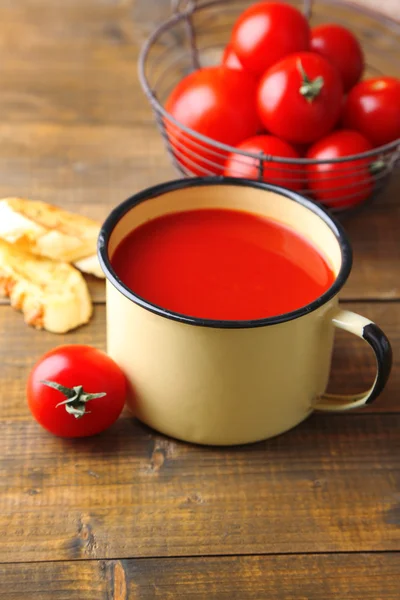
<point x="392" y="147"/>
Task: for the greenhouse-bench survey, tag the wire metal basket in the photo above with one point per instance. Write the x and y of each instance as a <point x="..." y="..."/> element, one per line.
<point x="196" y="35"/>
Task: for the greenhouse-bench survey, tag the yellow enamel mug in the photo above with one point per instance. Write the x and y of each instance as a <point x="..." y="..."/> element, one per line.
<point x="232" y="382"/>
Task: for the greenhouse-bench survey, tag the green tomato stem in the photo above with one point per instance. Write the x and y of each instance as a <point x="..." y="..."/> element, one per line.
<point x="76" y="398"/>
<point x="377" y="166"/>
<point x="310" y="88"/>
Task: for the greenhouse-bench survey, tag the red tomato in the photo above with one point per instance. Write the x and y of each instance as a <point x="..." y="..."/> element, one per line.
<point x="283" y="174"/>
<point x="340" y="185"/>
<point x="229" y="59"/>
<point x="267" y="32"/>
<point x="217" y="102"/>
<point x="373" y="108"/>
<point x="342" y="49"/>
<point x="91" y="396"/>
<point x="300" y="98"/>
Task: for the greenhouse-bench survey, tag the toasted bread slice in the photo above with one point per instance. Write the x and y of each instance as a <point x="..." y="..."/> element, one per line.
<point x="90" y="265"/>
<point x="52" y="295"/>
<point x="49" y="231"/>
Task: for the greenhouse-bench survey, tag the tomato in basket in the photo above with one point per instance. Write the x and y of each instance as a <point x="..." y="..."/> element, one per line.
<point x="300" y="98"/>
<point x="284" y="174"/>
<point x="340" y="46"/>
<point x="216" y="102"/>
<point x="267" y="32"/>
<point x="342" y="184"/>
<point x="373" y="108"/>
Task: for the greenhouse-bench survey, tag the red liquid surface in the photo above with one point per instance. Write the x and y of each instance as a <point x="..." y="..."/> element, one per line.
<point x="221" y="264"/>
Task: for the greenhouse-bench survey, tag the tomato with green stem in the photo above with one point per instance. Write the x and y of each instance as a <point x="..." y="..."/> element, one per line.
<point x="76" y="391"/>
<point x="300" y="98"/>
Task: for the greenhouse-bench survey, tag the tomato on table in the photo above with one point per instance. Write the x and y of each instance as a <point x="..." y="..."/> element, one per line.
<point x="267" y="32"/>
<point x="216" y="102"/>
<point x="343" y="184"/>
<point x="373" y="108"/>
<point x="300" y="98"/>
<point x="76" y="391"/>
<point x="342" y="49"/>
<point x="284" y="174"/>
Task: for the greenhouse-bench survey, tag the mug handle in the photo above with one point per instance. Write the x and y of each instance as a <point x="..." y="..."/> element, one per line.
<point x="374" y="336"/>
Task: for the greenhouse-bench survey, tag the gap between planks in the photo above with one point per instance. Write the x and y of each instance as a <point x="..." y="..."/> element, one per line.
<point x="204" y="557"/>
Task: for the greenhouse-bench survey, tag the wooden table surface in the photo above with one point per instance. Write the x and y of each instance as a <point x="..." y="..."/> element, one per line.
<point x="128" y="515"/>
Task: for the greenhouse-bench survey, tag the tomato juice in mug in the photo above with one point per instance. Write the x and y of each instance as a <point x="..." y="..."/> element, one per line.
<point x="222" y="299"/>
<point x="222" y="264"/>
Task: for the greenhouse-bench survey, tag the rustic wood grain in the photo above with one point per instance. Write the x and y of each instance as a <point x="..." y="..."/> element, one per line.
<point x="76" y="130"/>
<point x="376" y="247"/>
<point x="90" y="168"/>
<point x="330" y="485"/>
<point x="313" y="577"/>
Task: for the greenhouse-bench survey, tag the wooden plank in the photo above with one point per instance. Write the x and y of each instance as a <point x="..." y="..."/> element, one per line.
<point x="96" y="288"/>
<point x="330" y="485"/>
<point x="89" y="168"/>
<point x="84" y="84"/>
<point x="353" y="366"/>
<point x="391" y="193"/>
<point x="68" y="25"/>
<point x="374" y="237"/>
<point x="312" y="577"/>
